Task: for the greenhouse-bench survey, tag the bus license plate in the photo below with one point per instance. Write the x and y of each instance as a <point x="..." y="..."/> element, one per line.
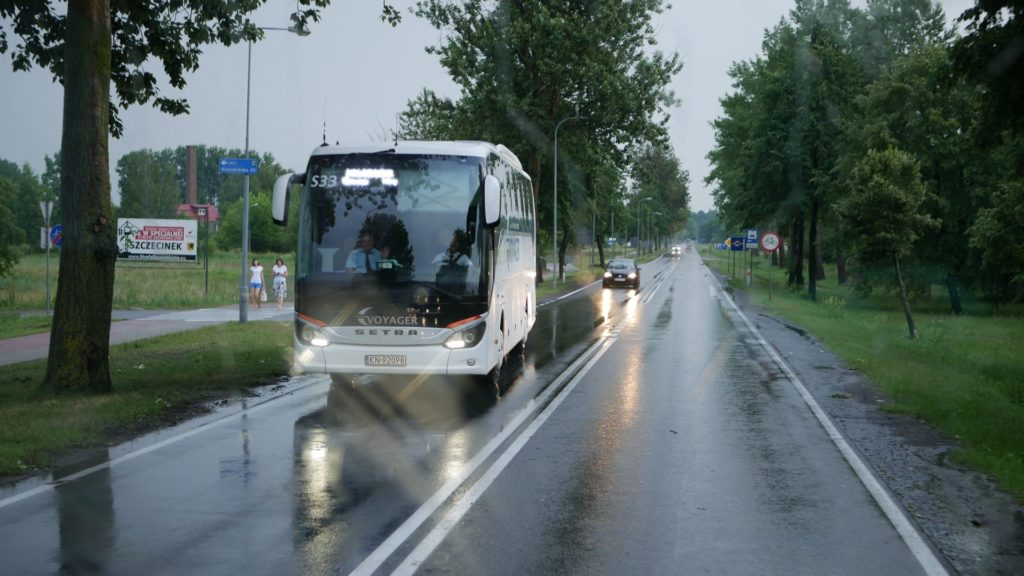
<point x="385" y="360"/>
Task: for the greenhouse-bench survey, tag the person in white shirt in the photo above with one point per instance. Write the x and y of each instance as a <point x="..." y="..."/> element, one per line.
<point x="255" y="282"/>
<point x="280" y="281"/>
<point x="454" y="254"/>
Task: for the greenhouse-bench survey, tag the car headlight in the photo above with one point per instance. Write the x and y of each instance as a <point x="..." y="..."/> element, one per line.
<point x="607" y="274"/>
<point x="467" y="334"/>
<point x="632" y="275"/>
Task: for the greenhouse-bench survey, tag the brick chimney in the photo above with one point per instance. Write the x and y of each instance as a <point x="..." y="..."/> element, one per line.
<point x="191" y="170"/>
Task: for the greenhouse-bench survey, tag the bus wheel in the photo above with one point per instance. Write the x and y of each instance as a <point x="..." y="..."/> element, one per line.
<point x="490" y="383"/>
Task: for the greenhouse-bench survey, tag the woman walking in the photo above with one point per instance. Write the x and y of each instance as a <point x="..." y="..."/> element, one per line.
<point x="280" y="281"/>
<point x="255" y="282"/>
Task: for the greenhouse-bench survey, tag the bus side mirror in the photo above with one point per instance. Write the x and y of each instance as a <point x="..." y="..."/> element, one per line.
<point x="279" y="203"/>
<point x="492" y="200"/>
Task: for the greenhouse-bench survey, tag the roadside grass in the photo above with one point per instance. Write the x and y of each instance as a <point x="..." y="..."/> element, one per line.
<point x="13" y="324"/>
<point x="157" y="381"/>
<point x="142" y="285"/>
<point x="964" y="375"/>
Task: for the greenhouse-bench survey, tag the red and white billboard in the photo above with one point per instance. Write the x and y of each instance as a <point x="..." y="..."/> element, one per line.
<point x="152" y="239"/>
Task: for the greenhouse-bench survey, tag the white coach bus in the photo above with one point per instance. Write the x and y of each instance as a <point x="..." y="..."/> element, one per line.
<point x="413" y="258"/>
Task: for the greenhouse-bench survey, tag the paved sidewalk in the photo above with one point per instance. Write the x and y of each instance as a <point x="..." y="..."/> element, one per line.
<point x="139" y="324"/>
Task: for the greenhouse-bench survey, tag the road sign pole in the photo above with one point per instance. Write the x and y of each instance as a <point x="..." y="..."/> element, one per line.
<point x="243" y="292"/>
<point x="47" y="207"/>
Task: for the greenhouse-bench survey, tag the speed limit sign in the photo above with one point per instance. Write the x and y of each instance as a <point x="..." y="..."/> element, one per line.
<point x="770" y="241"/>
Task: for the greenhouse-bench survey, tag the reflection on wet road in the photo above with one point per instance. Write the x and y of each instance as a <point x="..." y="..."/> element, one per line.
<point x="641" y="432"/>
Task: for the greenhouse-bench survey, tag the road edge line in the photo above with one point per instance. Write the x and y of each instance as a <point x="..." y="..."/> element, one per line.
<point x="918" y="545"/>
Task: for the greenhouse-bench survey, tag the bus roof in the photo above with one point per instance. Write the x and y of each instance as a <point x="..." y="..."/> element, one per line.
<point x="454" y="148"/>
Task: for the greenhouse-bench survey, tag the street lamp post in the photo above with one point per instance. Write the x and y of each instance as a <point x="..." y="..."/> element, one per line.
<point x="243" y="286"/>
<point x="554" y="226"/>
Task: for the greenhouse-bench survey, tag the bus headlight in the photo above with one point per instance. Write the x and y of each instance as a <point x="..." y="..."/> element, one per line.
<point x="311" y="335"/>
<point x="467" y="337"/>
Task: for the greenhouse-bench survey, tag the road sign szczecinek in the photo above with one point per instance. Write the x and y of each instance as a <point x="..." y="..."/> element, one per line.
<point x="770" y="241"/>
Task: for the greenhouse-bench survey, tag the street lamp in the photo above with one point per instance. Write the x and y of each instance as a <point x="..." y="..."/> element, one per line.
<point x="554" y="225"/>
<point x="243" y="286"/>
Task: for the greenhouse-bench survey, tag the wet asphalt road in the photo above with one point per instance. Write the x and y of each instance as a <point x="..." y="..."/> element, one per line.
<point x="642" y="433"/>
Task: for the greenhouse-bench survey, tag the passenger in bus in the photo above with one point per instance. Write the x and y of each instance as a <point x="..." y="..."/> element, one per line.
<point x="365" y="258"/>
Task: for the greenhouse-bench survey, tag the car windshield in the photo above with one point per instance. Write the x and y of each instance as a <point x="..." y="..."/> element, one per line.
<point x="512" y="287"/>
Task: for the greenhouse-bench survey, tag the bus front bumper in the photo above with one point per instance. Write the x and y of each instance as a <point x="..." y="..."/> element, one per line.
<point x="409" y="360"/>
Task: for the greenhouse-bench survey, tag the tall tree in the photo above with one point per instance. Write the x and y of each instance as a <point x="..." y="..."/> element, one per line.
<point x="883" y="213"/>
<point x="920" y="107"/>
<point x="991" y="53"/>
<point x="525" y="66"/>
<point x="96" y="44"/>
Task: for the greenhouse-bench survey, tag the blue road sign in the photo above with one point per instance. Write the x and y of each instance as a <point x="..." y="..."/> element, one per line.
<point x="736" y="243"/>
<point x="238" y="165"/>
<point x="56" y="234"/>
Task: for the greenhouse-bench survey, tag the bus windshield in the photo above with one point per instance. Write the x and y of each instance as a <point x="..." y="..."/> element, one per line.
<point x="396" y="233"/>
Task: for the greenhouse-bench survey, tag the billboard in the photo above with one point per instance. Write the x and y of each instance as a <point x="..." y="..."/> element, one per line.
<point x="152" y="239"/>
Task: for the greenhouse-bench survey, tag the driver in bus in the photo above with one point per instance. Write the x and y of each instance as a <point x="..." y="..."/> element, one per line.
<point x="365" y="258"/>
<point x="454" y="254"/>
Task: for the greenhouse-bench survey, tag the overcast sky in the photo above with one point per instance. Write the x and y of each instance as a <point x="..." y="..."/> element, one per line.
<point x="355" y="74"/>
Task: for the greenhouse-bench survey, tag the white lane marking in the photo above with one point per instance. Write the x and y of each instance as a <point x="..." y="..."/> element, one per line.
<point x="248" y="410"/>
<point x="438" y="534"/>
<point x="404" y="532"/>
<point x="917" y="544"/>
<point x="564" y="296"/>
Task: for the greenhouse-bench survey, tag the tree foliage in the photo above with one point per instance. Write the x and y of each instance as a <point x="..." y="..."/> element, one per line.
<point x="834" y="82"/>
<point x="524" y="67"/>
<point x="148" y="185"/>
<point x="883" y="213"/>
<point x="10" y="235"/>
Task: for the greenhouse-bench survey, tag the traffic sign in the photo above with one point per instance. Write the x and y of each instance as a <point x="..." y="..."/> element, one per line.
<point x="238" y="165"/>
<point x="736" y="244"/>
<point x="751" y="238"/>
<point x="56" y="235"/>
<point x="770" y="241"/>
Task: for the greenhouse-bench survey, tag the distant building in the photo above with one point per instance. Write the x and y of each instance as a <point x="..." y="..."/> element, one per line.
<point x="196" y="211"/>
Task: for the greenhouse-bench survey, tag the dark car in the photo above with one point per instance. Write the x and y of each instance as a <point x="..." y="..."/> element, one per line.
<point x="622" y="272"/>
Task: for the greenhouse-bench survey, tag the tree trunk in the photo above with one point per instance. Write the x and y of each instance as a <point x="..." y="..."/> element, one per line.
<point x="812" y="253"/>
<point x="562" y="245"/>
<point x="80" y="336"/>
<point x="954" y="294"/>
<point x="903" y="299"/>
<point x="533" y="168"/>
<point x="842" y="276"/>
<point x="796" y="270"/>
<point x="819" y="259"/>
<point x="600" y="250"/>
